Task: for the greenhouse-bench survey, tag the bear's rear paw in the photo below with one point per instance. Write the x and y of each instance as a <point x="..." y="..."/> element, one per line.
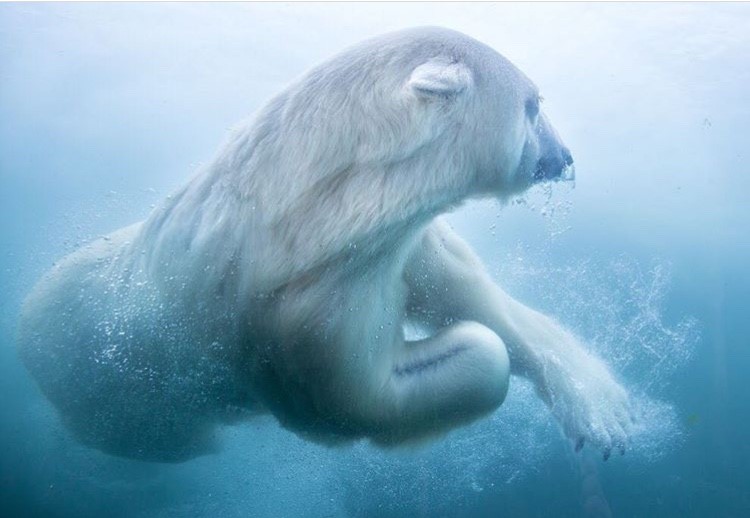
<point x="591" y="406"/>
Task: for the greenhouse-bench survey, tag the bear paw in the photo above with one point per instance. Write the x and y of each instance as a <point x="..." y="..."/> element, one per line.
<point x="591" y="406"/>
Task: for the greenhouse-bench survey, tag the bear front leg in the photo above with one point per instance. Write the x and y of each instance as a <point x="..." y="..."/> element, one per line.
<point x="447" y="282"/>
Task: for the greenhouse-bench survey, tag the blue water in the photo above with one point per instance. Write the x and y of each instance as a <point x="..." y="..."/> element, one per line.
<point x="105" y="109"/>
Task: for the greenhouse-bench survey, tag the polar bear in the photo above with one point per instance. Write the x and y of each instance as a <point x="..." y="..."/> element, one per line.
<point x="280" y="278"/>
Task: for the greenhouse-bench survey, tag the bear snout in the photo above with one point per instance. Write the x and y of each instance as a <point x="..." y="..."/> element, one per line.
<point x="555" y="160"/>
<point x="557" y="165"/>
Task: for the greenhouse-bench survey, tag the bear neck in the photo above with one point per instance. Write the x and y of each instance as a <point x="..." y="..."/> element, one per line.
<point x="367" y="214"/>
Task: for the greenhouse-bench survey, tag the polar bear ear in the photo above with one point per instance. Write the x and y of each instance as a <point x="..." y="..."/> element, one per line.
<point x="440" y="78"/>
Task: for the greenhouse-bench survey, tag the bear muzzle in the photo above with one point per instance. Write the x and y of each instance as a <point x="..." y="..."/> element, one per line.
<point x="555" y="162"/>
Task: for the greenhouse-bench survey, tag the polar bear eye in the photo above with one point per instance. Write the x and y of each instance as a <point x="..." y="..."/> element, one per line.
<point x="532" y="107"/>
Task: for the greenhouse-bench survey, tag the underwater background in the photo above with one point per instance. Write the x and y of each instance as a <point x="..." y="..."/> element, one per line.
<point x="107" y="108"/>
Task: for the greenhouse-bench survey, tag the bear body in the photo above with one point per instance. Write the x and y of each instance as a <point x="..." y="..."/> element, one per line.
<point x="280" y="278"/>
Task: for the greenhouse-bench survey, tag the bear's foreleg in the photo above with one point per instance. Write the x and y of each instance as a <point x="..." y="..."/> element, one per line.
<point x="447" y="282"/>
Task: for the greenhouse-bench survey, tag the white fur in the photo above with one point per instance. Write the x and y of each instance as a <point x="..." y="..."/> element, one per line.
<point x="280" y="278"/>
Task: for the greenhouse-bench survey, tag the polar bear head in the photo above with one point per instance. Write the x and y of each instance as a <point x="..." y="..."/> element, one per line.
<point x="494" y="112"/>
<point x="431" y="98"/>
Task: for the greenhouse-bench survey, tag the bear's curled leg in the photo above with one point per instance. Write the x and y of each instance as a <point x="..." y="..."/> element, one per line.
<point x="450" y="378"/>
<point x="447" y="281"/>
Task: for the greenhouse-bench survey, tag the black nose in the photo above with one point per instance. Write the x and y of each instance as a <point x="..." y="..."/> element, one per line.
<point x="567" y="157"/>
<point x="555" y="166"/>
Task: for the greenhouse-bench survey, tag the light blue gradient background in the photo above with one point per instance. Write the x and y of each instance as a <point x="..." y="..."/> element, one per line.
<point x="104" y="109"/>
